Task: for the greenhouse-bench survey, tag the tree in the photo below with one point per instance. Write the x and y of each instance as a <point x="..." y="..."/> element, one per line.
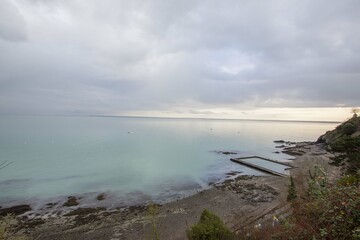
<point x="355" y="110"/>
<point x="209" y="227"/>
<point x="292" y="190"/>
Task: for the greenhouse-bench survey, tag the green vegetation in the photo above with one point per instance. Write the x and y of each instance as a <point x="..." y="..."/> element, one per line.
<point x="292" y="190"/>
<point x="326" y="212"/>
<point x="329" y="210"/>
<point x="317" y="181"/>
<point x="209" y="227"/>
<point x="349" y="128"/>
<point x="344" y="141"/>
<point x="347" y="151"/>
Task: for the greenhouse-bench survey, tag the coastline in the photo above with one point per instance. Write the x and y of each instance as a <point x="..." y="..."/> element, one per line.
<point x="241" y="202"/>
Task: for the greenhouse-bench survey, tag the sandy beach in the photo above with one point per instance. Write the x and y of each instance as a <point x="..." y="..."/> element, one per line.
<point x="241" y="201"/>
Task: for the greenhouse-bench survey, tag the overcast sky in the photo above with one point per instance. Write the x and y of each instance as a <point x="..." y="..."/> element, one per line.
<point x="240" y="58"/>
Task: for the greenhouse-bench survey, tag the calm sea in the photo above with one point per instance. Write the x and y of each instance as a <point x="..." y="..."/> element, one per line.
<point x="130" y="159"/>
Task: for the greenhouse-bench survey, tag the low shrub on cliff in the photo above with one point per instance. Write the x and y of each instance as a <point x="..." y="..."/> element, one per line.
<point x="348" y="153"/>
<point x="209" y="227"/>
<point x="349" y="128"/>
<point x="326" y="212"/>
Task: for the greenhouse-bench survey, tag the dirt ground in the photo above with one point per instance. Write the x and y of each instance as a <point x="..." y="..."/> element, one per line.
<point x="242" y="203"/>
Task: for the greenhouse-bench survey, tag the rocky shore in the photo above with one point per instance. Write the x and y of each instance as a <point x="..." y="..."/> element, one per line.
<point x="241" y="201"/>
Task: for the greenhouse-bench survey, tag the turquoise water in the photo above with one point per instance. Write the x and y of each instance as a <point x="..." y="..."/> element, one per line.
<point x="131" y="159"/>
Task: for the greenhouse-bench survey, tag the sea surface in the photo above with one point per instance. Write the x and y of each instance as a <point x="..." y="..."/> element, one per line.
<point x="131" y="160"/>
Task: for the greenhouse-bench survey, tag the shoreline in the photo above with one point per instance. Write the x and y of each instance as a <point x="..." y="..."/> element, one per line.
<point x="64" y="204"/>
<point x="241" y="201"/>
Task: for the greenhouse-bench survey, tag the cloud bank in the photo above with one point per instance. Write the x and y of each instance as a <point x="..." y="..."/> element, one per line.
<point x="120" y="57"/>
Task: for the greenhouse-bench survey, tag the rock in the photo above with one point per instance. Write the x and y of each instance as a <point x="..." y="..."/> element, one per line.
<point x="226" y="152"/>
<point x="233" y="173"/>
<point x="33" y="223"/>
<point x="101" y="197"/>
<point x="284" y="142"/>
<point x="84" y="211"/>
<point x="281" y="146"/>
<point x="72" y="201"/>
<point x="293" y="152"/>
<point x="50" y="205"/>
<point x="16" y="210"/>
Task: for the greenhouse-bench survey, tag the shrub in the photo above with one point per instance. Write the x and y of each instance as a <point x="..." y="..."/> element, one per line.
<point x="349" y="128"/>
<point x="348" y="149"/>
<point x="328" y="212"/>
<point x="292" y="190"/>
<point x="338" y="213"/>
<point x="346" y="144"/>
<point x="348" y="180"/>
<point x="209" y="227"/>
<point x="317" y="182"/>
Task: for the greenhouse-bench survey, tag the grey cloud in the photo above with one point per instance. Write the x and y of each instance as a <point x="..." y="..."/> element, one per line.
<point x="12" y="24"/>
<point x="113" y="56"/>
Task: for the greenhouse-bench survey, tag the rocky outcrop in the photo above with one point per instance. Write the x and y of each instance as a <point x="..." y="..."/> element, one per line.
<point x="350" y="127"/>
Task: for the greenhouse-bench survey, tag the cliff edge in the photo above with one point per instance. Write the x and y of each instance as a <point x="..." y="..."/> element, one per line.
<point x="349" y="128"/>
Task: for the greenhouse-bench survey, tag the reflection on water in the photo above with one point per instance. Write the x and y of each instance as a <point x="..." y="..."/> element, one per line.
<point x="61" y="156"/>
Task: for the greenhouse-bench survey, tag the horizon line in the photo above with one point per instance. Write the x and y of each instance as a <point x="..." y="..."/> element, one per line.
<point x="180" y="118"/>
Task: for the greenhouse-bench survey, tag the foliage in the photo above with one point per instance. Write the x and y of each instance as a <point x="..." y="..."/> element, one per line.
<point x="317" y="182"/>
<point x="329" y="211"/>
<point x="349" y="128"/>
<point x="346" y="144"/>
<point x="209" y="227"/>
<point x="326" y="212"/>
<point x="292" y="190"/>
<point x="348" y="180"/>
<point x="348" y="152"/>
